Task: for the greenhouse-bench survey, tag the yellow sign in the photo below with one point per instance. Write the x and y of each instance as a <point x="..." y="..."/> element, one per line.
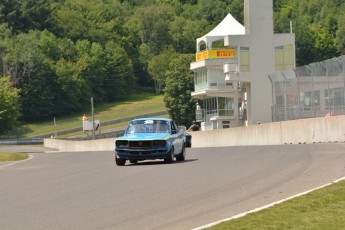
<point x="215" y="54"/>
<point x="202" y="55"/>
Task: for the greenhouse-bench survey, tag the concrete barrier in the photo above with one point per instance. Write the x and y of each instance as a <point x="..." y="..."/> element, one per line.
<point x="314" y="130"/>
<point x="83" y="145"/>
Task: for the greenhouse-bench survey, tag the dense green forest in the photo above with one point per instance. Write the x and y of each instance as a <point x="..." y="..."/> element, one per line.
<point x="57" y="54"/>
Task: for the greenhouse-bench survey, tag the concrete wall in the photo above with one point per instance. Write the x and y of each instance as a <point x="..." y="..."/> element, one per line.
<point x="85" y="145"/>
<point x="314" y="130"/>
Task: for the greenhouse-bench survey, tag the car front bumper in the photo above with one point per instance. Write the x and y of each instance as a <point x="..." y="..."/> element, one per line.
<point x="142" y="154"/>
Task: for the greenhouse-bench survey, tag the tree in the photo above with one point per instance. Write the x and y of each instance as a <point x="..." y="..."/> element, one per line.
<point x="119" y="80"/>
<point x="25" y="15"/>
<point x="282" y="19"/>
<point x="340" y="38"/>
<point x="96" y="21"/>
<point x="9" y="104"/>
<point x="305" y="40"/>
<point x="213" y="11"/>
<point x="177" y="92"/>
<point x="159" y="66"/>
<point x="59" y="53"/>
<point x="31" y="71"/>
<point x="237" y="10"/>
<point x="325" y="44"/>
<point x="151" y="24"/>
<point x="185" y="31"/>
<point x="5" y="42"/>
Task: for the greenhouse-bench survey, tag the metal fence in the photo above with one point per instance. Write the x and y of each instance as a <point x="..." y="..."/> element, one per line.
<point x="309" y="91"/>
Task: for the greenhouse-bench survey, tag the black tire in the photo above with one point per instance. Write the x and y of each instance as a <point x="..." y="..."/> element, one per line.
<point x="133" y="161"/>
<point x="170" y="158"/>
<point x="119" y="161"/>
<point x="182" y="154"/>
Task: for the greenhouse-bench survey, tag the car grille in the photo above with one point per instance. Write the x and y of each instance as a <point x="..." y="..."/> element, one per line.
<point x="140" y="144"/>
<point x="121" y="143"/>
<point x="140" y="153"/>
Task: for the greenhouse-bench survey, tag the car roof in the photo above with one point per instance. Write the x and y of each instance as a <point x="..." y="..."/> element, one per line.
<point x="152" y="118"/>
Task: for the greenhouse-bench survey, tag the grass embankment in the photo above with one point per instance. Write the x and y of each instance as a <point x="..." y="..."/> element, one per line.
<point x="143" y="103"/>
<point x="6" y="156"/>
<point x="322" y="209"/>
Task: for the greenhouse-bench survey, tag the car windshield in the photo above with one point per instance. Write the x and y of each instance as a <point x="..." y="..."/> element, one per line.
<point x="148" y="126"/>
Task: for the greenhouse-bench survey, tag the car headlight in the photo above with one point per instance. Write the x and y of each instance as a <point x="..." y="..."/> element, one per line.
<point x="159" y="143"/>
<point x="122" y="143"/>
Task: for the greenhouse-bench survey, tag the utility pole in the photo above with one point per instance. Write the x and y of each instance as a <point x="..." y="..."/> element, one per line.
<point x="55" y="134"/>
<point x="93" y="120"/>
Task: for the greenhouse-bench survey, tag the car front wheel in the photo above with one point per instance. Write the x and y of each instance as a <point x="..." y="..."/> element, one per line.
<point x="170" y="157"/>
<point x="182" y="155"/>
<point x="119" y="161"/>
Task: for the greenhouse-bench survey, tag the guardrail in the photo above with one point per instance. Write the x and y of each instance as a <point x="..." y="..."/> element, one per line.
<point x="24" y="141"/>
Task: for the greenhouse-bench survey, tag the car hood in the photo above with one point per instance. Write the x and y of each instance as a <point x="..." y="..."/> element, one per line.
<point x="144" y="136"/>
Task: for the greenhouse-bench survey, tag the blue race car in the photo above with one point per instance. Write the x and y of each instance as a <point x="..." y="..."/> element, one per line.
<point x="148" y="139"/>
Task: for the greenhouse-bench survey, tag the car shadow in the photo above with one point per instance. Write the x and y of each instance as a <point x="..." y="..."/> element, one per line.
<point x="160" y="162"/>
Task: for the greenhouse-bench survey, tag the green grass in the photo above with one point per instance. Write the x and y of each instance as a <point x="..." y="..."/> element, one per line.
<point x="103" y="127"/>
<point x="8" y="156"/>
<point x="322" y="209"/>
<point x="142" y="103"/>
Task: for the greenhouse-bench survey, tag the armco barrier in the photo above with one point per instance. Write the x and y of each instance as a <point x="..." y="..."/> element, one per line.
<point x="22" y="141"/>
<point x="314" y="130"/>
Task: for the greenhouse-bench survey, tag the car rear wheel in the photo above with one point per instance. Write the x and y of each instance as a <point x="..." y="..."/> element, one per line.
<point x="170" y="157"/>
<point x="188" y="145"/>
<point x="119" y="161"/>
<point x="133" y="161"/>
<point x="182" y="155"/>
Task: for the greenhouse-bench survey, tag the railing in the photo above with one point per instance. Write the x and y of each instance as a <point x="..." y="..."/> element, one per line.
<point x="226" y="112"/>
<point x="220" y="112"/>
<point x="213" y="85"/>
<point x="203" y="115"/>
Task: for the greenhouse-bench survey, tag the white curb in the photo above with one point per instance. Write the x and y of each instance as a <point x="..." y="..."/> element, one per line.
<point x="17" y="162"/>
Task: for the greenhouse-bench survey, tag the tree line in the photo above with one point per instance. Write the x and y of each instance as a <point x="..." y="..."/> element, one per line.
<point x="57" y="54"/>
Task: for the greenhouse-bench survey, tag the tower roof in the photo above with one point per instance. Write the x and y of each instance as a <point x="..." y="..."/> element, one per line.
<point x="229" y="26"/>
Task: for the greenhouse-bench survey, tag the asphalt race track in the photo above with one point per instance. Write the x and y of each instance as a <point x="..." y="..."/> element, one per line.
<point x="86" y="190"/>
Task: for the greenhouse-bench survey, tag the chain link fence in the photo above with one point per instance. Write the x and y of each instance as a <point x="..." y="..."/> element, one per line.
<point x="309" y="91"/>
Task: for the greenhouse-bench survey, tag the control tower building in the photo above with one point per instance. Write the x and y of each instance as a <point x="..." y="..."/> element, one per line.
<point x="232" y="65"/>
